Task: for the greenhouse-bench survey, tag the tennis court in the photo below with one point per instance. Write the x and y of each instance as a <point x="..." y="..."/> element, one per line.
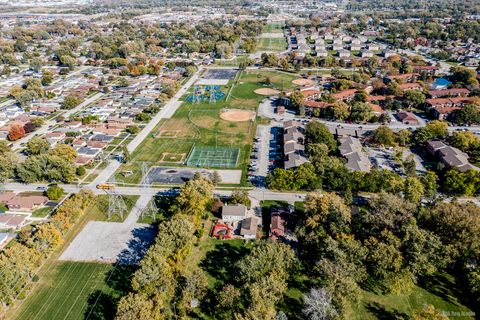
<point x="213" y="157"/>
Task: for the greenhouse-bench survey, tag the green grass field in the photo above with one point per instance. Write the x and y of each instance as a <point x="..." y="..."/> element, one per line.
<point x="73" y="290"/>
<point x="439" y="290"/>
<point x="272" y="44"/>
<point x="274" y="27"/>
<point x="170" y="143"/>
<point x="98" y="210"/>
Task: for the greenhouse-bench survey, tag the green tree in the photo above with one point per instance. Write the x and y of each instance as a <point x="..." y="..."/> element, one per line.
<point x="414" y="98"/>
<point x="384" y="136"/>
<point x="54" y="192"/>
<point x="361" y="112"/>
<point x="37" y="145"/>
<point x="316" y="132"/>
<point x="340" y="110"/>
<point x="413" y="190"/>
<point x="470" y="114"/>
<point x="71" y="102"/>
<point x="241" y="197"/>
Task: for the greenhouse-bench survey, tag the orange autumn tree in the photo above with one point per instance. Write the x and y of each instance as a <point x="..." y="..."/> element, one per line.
<point x="16" y="132"/>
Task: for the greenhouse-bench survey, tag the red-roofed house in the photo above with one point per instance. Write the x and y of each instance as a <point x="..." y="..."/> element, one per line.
<point x="407" y="118"/>
<point x="345" y="95"/>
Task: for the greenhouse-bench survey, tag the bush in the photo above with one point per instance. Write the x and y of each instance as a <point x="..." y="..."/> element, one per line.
<point x="133" y="129"/>
<point x="80" y="171"/>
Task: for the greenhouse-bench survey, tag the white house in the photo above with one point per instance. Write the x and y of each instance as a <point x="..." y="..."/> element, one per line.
<point x="234" y="213"/>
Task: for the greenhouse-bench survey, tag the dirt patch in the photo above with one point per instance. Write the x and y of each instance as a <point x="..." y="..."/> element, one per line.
<point x="173" y="157"/>
<point x="266" y="91"/>
<point x="233" y="115"/>
<point x="303" y="82"/>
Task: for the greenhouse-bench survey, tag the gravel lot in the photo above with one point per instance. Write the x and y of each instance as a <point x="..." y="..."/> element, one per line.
<point x="110" y="242"/>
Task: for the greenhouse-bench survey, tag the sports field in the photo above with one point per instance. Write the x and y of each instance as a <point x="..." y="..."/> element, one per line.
<point x="199" y="123"/>
<point x="72" y="290"/>
<point x="273" y="27"/>
<point x="272" y="44"/>
<point x="213" y="157"/>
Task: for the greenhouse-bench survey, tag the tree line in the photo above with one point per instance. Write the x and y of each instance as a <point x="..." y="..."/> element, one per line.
<point x="20" y="261"/>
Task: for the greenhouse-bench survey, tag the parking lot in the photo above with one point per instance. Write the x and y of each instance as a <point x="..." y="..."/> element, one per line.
<point x="267" y="152"/>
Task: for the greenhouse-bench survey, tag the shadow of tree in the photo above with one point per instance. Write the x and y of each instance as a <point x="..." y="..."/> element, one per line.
<point x="142" y="238"/>
<point x="383" y="314"/>
<point x="442" y="285"/>
<point x="102" y="304"/>
<point x="220" y="262"/>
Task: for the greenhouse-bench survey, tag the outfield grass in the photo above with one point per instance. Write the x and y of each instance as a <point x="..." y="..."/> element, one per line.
<point x="74" y="290"/>
<point x="274" y="27"/>
<point x="272" y="44"/>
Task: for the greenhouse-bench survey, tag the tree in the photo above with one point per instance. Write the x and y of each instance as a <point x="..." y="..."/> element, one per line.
<point x="216" y="178"/>
<point x="430" y="185"/>
<point x="469" y="114"/>
<point x="280" y="179"/>
<point x="8" y="162"/>
<point x="47" y="78"/>
<point x="340" y="110"/>
<point x="297" y="98"/>
<point x="16" y="132"/>
<point x="403" y="137"/>
<point x="386" y="211"/>
<point x="384" y="259"/>
<point x="80" y="171"/>
<point x="458" y="226"/>
<point x="54" y="192"/>
<point x="64" y="151"/>
<point x="433" y="129"/>
<point x="318" y="304"/>
<point x="71" y="102"/>
<point x="414" y="98"/>
<point x="413" y="190"/>
<point x="241" y="197"/>
<point x="428" y="313"/>
<point x="193" y="197"/>
<point x="316" y="132"/>
<point x="423" y="250"/>
<point x="37" y="145"/>
<point x="326" y="212"/>
<point x="409" y="166"/>
<point x="126" y="157"/>
<point x="135" y="306"/>
<point x="384" y="136"/>
<point x="361" y="112"/>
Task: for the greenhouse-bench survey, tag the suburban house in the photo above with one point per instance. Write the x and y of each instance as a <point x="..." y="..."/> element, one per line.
<point x="277" y="222"/>
<point x="293" y="144"/>
<point x="454" y="92"/>
<point x="345" y="95"/>
<point x="407" y="77"/>
<point x="26" y="203"/>
<point x="447" y="102"/>
<point x="451" y="157"/>
<point x="234" y="213"/>
<point x="407" y="118"/>
<point x="357" y="160"/>
<point x="12" y="221"/>
<point x="249" y="228"/>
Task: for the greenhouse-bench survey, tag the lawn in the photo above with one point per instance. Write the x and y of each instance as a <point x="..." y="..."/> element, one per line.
<point x="439" y="290"/>
<point x="272" y="44"/>
<point x="99" y="209"/>
<point x="274" y="27"/>
<point x="75" y="290"/>
<point x="170" y="143"/>
<point x="42" y="212"/>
